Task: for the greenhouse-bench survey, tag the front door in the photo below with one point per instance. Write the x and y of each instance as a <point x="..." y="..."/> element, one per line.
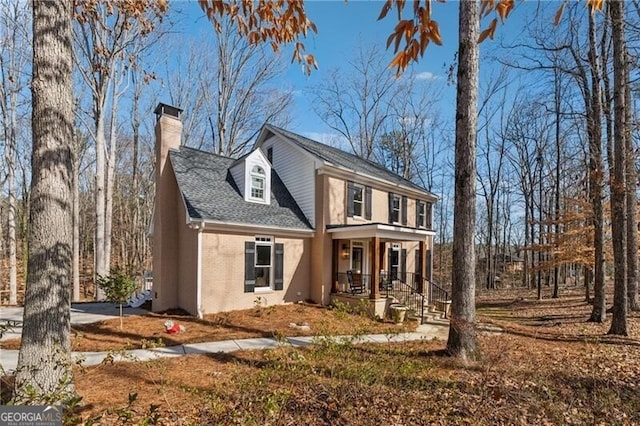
<point x="356" y="259"/>
<point x="394" y="263"/>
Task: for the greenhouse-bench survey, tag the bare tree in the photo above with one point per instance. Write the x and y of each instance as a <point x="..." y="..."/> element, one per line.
<point x="410" y="130"/>
<point x="462" y="341"/>
<point x="43" y="373"/>
<point x="103" y="37"/>
<point x="14" y="57"/>
<point x="354" y="101"/>
<point x="618" y="182"/>
<point x="235" y="89"/>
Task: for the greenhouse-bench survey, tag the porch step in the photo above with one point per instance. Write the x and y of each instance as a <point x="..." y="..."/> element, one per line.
<point x="137" y="301"/>
<point x="433" y="317"/>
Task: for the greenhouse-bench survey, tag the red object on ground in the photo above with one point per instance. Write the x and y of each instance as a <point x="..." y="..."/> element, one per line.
<point x="174" y="329"/>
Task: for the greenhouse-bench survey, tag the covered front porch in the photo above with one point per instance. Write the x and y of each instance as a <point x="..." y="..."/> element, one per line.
<point x="382" y="264"/>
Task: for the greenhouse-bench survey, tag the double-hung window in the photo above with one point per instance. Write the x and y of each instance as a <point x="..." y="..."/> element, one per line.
<point x="395" y="208"/>
<point x="358" y="200"/>
<point x="258" y="178"/>
<point x="263" y="261"/>
<point x="263" y="264"/>
<point x="420" y="214"/>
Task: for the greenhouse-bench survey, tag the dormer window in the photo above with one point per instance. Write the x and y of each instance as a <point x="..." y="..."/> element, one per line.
<point x="258" y="178"/>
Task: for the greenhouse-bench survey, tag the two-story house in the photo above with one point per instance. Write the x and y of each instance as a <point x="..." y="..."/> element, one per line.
<point x="292" y="220"/>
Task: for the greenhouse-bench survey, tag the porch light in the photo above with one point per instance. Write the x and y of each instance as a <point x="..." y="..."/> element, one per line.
<point x="345" y="251"/>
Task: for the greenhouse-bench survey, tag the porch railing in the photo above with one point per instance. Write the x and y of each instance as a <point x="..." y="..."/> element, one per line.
<point x="439" y="297"/>
<point x="408" y="288"/>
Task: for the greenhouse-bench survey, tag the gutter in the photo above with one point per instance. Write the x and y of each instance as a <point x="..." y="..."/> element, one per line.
<point x="199" y="227"/>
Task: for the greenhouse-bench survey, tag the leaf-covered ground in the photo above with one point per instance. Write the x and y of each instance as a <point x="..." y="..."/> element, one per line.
<point x="141" y="331"/>
<point x="547" y="367"/>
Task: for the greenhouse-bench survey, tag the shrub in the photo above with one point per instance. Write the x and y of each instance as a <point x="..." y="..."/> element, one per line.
<point x="117" y="287"/>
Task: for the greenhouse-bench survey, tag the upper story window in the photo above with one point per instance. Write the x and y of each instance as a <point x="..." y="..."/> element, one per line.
<point x="423" y="214"/>
<point x="258" y="178"/>
<point x="358" y="200"/>
<point x="420" y="214"/>
<point x="397" y="208"/>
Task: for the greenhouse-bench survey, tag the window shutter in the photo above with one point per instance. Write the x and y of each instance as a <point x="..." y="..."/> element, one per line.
<point x="351" y="189"/>
<point x="428" y="214"/>
<point x="429" y="260"/>
<point x="249" y="266"/>
<point x="391" y="207"/>
<point x="367" y="203"/>
<point x="279" y="267"/>
<point x="403" y="265"/>
<point x="418" y="224"/>
<point x="417" y="264"/>
<point x="404" y="210"/>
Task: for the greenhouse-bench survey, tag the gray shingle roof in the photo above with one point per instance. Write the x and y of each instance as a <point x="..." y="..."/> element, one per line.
<point x="210" y="193"/>
<point x="344" y="159"/>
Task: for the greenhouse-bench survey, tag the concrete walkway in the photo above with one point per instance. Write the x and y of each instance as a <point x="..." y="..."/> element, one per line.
<point x="9" y="358"/>
<point x="83" y="313"/>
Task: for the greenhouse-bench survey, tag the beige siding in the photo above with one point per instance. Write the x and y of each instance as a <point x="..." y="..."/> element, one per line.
<point x="379" y="206"/>
<point x="335" y="200"/>
<point x="165" y="242"/>
<point x="223" y="272"/>
<point x="187" y="265"/>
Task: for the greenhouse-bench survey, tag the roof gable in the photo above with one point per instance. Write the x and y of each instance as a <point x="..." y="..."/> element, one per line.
<point x="338" y="158"/>
<point x="211" y="194"/>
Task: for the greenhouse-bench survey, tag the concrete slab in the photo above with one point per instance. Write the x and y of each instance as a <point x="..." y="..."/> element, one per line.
<point x="89" y="358"/>
<point x="8" y="360"/>
<point x="170" y="351"/>
<point x="300" y="341"/>
<point x="211" y="347"/>
<point x="138" y="355"/>
<point x="257" y="343"/>
<point x="81" y="313"/>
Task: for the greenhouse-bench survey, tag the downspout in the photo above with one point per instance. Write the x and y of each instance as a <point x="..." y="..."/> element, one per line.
<point x="200" y="228"/>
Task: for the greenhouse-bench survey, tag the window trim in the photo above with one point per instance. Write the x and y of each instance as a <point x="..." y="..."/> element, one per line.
<point x="358" y="187"/>
<point x="261" y="175"/>
<point x="421" y="210"/>
<point x="394" y="198"/>
<point x="264" y="241"/>
<point x="276" y="273"/>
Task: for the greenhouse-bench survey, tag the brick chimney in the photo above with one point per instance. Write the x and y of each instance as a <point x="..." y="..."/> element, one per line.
<point x="165" y="217"/>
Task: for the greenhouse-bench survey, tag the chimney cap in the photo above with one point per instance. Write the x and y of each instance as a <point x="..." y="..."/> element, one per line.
<point x="164" y="109"/>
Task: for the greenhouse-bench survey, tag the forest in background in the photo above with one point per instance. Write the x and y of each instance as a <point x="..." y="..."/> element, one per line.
<point x="534" y="174"/>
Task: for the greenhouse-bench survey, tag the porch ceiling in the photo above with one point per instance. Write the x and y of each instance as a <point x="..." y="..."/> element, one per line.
<point x="381" y="230"/>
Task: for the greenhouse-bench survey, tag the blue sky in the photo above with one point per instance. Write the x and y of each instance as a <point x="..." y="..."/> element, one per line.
<point x="342" y="26"/>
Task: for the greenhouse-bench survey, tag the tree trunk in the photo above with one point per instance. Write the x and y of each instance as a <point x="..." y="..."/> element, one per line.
<point x="43" y="372"/>
<point x="557" y="113"/>
<point x="632" y="205"/>
<point x="11" y="155"/>
<point x="76" y="219"/>
<point x="111" y="167"/>
<point x="462" y="340"/>
<point x="100" y="266"/>
<point x="596" y="176"/>
<point x="618" y="211"/>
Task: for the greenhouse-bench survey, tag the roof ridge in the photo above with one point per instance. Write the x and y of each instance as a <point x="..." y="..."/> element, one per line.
<point x="372" y="163"/>
<point x="201" y="151"/>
